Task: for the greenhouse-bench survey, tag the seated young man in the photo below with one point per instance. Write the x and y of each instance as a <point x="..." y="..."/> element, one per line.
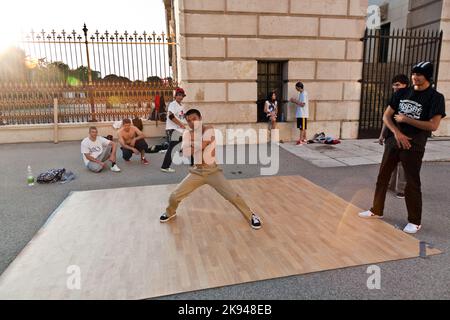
<point x="97" y="150"/>
<point x="199" y="141"/>
<point x="132" y="141"/>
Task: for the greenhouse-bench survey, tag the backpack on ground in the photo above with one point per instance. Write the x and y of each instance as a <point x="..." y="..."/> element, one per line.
<point x="50" y="176"/>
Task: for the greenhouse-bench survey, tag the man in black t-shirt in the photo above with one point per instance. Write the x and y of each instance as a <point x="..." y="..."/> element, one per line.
<point x="410" y="117"/>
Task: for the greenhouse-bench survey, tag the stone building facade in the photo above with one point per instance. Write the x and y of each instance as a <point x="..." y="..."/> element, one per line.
<point x="223" y="45"/>
<point x="317" y="41"/>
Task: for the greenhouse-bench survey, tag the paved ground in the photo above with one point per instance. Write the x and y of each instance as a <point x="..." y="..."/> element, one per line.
<point x="359" y="152"/>
<point x="23" y="210"/>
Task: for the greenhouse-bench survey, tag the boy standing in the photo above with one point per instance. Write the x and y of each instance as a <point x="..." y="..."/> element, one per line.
<point x="301" y="112"/>
<point x="174" y="127"/>
<point x="199" y="142"/>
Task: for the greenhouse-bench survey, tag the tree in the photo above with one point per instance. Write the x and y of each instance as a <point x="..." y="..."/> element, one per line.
<point x="154" y="79"/>
<point x="16" y="66"/>
<point x="81" y="73"/>
<point x="12" y="65"/>
<point x="115" y="78"/>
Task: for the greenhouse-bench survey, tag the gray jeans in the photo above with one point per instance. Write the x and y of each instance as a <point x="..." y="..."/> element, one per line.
<point x="94" y="166"/>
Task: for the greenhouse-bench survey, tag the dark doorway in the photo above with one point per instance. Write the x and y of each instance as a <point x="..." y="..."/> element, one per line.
<point x="270" y="78"/>
<point x="383" y="50"/>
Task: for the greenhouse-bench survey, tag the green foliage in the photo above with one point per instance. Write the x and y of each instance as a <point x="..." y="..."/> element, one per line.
<point x="15" y="66"/>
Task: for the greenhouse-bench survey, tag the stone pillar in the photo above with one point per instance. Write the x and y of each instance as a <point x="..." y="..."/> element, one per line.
<point x="443" y="85"/>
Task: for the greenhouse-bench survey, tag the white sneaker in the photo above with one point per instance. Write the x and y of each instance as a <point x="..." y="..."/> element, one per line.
<point x="168" y="170"/>
<point x="115" y="168"/>
<point x="412" y="228"/>
<point x="369" y="215"/>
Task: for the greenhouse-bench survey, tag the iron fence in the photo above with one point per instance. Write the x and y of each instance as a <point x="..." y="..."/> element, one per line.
<point x="34" y="103"/>
<point x="83" y="57"/>
<point x="94" y="76"/>
<point x="387" y="54"/>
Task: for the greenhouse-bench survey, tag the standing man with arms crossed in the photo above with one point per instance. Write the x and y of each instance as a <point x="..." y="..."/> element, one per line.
<point x="174" y="127"/>
<point x="417" y="112"/>
<point x="200" y="143"/>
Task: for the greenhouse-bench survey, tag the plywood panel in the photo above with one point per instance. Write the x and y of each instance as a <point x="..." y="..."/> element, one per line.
<point x="124" y="252"/>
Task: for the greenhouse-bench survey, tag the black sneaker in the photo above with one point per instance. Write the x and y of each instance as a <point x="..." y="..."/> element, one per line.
<point x="256" y="222"/>
<point x="400" y="195"/>
<point x="164" y="217"/>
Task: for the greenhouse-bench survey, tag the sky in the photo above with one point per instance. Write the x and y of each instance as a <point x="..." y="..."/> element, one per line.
<point x="18" y="16"/>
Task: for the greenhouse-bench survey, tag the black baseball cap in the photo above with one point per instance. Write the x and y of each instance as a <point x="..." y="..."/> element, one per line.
<point x="425" y="68"/>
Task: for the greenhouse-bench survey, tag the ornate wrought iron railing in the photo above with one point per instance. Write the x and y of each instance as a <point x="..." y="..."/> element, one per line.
<point x="93" y="76"/>
<point x="85" y="57"/>
<point x="35" y="103"/>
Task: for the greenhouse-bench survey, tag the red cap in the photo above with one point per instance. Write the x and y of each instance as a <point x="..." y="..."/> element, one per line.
<point x="180" y="91"/>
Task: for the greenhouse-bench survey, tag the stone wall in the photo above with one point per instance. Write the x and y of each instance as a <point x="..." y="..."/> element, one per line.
<point x="68" y="131"/>
<point x="444" y="68"/>
<point x="397" y="14"/>
<point x="425" y="14"/>
<point x="222" y="40"/>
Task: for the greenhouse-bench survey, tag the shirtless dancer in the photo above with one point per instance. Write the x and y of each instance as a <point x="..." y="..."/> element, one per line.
<point x="199" y="141"/>
<point x="132" y="141"/>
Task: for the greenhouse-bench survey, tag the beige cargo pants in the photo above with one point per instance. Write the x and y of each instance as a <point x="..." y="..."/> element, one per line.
<point x="213" y="176"/>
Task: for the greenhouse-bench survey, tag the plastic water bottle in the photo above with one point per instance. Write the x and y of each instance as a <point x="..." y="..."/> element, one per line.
<point x="30" y="177"/>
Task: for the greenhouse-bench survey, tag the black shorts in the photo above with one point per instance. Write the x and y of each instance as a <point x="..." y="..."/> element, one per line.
<point x="302" y="123"/>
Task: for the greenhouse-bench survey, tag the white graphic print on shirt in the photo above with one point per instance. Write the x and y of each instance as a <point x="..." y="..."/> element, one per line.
<point x="411" y="109"/>
<point x="95" y="149"/>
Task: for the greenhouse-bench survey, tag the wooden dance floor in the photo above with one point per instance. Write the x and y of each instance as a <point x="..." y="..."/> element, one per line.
<point x="123" y="252"/>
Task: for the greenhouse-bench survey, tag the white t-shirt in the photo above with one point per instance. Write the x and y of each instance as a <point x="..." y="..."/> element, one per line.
<point x="271" y="106"/>
<point x="93" y="148"/>
<point x="178" y="111"/>
<point x="302" y="112"/>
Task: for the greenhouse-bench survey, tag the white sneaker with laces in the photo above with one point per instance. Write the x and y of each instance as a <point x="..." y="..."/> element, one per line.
<point x="369" y="215"/>
<point x="412" y="228"/>
<point x="115" y="168"/>
<point x="168" y="170"/>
